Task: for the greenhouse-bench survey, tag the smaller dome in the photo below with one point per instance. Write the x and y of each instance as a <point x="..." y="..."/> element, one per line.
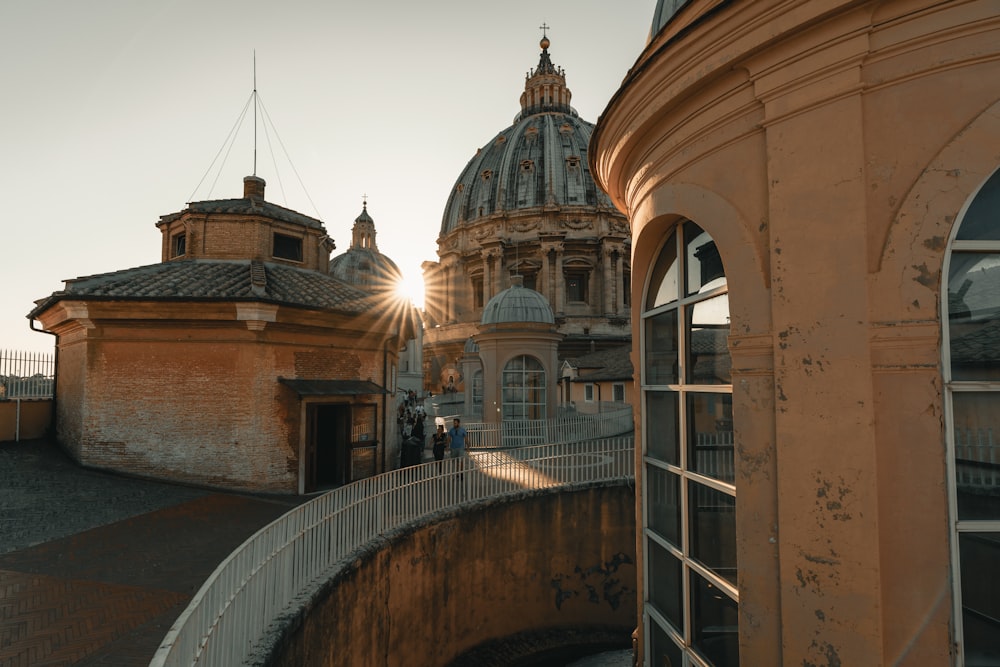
<point x="518" y="304"/>
<point x="471" y="346"/>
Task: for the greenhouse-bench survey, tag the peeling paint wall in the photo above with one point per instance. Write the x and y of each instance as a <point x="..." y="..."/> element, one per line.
<point x="828" y="147"/>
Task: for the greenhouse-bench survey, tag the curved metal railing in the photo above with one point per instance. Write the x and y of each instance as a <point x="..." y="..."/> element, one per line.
<point x="228" y="617"/>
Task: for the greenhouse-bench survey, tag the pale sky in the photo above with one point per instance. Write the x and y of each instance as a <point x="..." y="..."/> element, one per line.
<point x="113" y="111"/>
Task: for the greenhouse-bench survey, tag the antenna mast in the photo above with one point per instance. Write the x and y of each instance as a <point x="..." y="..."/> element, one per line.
<point x="255" y="112"/>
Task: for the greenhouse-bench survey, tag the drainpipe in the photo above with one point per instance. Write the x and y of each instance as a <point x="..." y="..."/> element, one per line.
<point x="385" y="390"/>
<point x="55" y="377"/>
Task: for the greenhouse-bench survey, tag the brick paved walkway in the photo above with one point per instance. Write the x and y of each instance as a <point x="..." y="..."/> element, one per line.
<point x="95" y="568"/>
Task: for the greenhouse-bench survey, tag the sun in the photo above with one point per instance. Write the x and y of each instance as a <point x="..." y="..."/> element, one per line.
<point x="411" y="289"/>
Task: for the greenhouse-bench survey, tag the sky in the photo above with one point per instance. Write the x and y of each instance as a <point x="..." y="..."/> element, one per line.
<point x="116" y="112"/>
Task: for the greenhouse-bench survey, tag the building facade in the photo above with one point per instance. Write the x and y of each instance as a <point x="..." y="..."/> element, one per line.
<point x="816" y="184"/>
<point x="526" y="204"/>
<point x="237" y="361"/>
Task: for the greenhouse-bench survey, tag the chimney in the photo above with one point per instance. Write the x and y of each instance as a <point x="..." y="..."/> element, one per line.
<point x="253" y="188"/>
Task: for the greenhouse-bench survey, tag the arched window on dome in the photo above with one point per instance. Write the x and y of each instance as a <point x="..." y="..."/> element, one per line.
<point x="523" y="387"/>
<point x="972" y="380"/>
<point x="689" y="493"/>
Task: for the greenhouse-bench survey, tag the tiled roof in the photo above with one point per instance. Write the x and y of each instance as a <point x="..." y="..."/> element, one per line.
<point x="979" y="347"/>
<point x="217" y="280"/>
<point x="613" y="363"/>
<point x="246" y="207"/>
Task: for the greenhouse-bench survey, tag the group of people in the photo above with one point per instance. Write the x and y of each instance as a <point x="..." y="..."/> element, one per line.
<point x="411" y="422"/>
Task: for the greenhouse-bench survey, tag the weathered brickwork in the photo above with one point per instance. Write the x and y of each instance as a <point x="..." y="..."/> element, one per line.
<point x="320" y="364"/>
<point x="180" y="370"/>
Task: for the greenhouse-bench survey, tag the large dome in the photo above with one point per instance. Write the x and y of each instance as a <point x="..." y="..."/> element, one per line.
<point x="518" y="304"/>
<point x="540" y="160"/>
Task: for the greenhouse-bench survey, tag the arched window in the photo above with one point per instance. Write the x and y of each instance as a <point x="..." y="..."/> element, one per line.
<point x="972" y="379"/>
<point x="523" y="389"/>
<point x="689" y="493"/>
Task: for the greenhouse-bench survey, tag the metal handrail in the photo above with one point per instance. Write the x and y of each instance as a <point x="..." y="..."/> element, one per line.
<point x="231" y="613"/>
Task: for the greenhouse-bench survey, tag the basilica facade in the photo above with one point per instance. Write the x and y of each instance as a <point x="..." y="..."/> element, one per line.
<point x="526" y="205"/>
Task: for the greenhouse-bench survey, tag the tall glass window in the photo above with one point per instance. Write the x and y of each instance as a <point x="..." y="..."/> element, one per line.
<point x="972" y="378"/>
<point x="689" y="492"/>
<point x="523" y="389"/>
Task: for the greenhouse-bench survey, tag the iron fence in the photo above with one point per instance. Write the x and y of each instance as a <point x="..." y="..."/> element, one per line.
<point x="26" y="375"/>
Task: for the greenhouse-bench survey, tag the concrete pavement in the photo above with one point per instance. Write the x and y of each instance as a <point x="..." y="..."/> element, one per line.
<point x="95" y="567"/>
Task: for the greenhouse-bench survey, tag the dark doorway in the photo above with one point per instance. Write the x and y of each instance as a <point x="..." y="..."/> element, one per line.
<point x="329" y="443"/>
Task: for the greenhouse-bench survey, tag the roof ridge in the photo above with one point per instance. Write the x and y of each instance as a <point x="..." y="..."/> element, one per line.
<point x="258" y="278"/>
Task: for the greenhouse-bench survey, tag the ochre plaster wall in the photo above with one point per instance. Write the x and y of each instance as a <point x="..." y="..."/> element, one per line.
<point x="547" y="560"/>
<point x="34" y="420"/>
<point x="828" y="147"/>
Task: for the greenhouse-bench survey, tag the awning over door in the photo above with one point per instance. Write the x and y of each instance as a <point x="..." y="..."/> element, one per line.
<point x="332" y="387"/>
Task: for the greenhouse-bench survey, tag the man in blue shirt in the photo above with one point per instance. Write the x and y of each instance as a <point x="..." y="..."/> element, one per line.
<point x="456" y="439"/>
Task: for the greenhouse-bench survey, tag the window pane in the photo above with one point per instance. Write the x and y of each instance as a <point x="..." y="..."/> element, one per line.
<point x="980" y="559"/>
<point x="713" y="529"/>
<point x="664" y="652"/>
<point x="704" y="263"/>
<point x="710" y="435"/>
<point x="977" y="454"/>
<point x="661" y="348"/>
<point x="974" y="315"/>
<point x="708" y="360"/>
<point x="664" y="501"/>
<point x="662" y="427"/>
<point x="982" y="220"/>
<point x="665" y="584"/>
<point x="714" y="623"/>
<point x="663" y="281"/>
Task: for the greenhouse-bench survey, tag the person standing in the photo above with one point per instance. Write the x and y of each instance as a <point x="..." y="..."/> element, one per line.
<point x="456" y="445"/>
<point x="439" y="439"/>
<point x="456" y="438"/>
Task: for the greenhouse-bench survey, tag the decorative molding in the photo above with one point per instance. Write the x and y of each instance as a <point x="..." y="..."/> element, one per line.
<point x="256" y="315"/>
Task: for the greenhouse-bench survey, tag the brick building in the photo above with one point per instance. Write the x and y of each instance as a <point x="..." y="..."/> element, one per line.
<point x="237" y="361"/>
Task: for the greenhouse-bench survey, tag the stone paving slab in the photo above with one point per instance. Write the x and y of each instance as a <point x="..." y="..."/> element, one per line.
<point x="95" y="568"/>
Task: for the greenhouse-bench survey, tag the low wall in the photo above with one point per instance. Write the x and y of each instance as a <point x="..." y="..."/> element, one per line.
<point x="484" y="584"/>
<point x="35" y="419"/>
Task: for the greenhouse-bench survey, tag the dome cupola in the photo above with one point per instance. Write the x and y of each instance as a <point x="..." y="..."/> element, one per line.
<point x="363" y="265"/>
<point x="518" y="304"/>
<point x="538" y="162"/>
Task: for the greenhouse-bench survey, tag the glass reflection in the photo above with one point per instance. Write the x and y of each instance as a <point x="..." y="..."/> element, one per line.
<point x="715" y="625"/>
<point x="713" y="529"/>
<point x="664" y="652"/>
<point x="980" y="555"/>
<point x="664" y="504"/>
<point x="704" y="263"/>
<point x="710" y="435"/>
<point x="982" y="220"/>
<point x="661" y="348"/>
<point x="708" y="360"/>
<point x="663" y="280"/>
<point x="977" y="454"/>
<point x="665" y="584"/>
<point x="974" y="316"/>
<point x="662" y="427"/>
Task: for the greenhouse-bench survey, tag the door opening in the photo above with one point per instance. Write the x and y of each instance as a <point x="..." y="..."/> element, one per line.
<point x="330" y="445"/>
